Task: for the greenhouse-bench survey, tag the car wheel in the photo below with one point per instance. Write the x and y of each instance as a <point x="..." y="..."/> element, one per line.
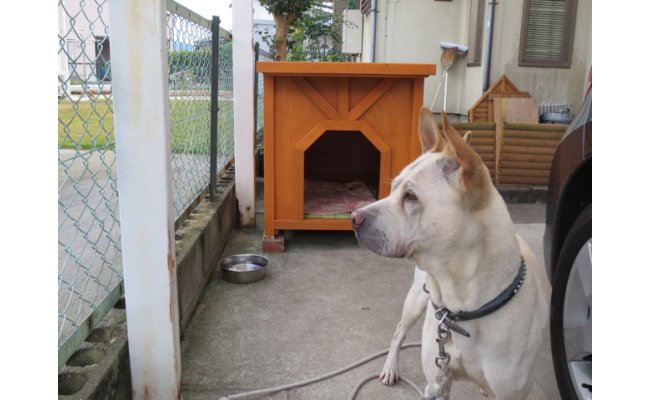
<point x="571" y="312"/>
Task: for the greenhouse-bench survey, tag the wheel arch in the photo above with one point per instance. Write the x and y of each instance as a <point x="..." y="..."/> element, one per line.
<point x="575" y="196"/>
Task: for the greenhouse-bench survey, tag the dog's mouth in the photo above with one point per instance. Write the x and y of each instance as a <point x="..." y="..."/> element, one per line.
<point x="377" y="242"/>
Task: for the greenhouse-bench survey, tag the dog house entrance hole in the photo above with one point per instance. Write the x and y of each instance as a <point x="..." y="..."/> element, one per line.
<point x="341" y="174"/>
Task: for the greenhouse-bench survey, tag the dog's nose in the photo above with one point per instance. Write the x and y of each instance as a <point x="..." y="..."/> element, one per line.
<point x="357" y="219"/>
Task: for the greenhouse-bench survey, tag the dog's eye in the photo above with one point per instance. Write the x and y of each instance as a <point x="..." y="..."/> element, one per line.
<point x="409" y="196"/>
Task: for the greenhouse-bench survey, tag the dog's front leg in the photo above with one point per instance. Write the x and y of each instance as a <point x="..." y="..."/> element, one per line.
<point x="414" y="305"/>
<point x="440" y="388"/>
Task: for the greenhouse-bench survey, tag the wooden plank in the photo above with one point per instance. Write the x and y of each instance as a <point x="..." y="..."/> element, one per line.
<point x="526" y="165"/>
<point x="346" y="68"/>
<point x="495" y="95"/>
<point x="316" y="224"/>
<point x="526" y="157"/>
<point x="484" y="135"/>
<point x="499" y="116"/>
<point x="528" y="150"/>
<point x="546" y="135"/>
<point x="517" y="180"/>
<point x="518" y="109"/>
<point x="480" y="134"/>
<point x="315" y="96"/>
<point x="530" y="142"/>
<point x="269" y="157"/>
<point x="370" y="99"/>
<point x="344" y="96"/>
<point x="490" y="113"/>
<point x="474" y="126"/>
<point x="416" y="100"/>
<point x="536" y="127"/>
<point x="481" y="141"/>
<point x="524" y="172"/>
<point x="483" y="149"/>
<point x="487" y="156"/>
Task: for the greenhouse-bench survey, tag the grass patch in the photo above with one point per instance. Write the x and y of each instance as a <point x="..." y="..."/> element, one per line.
<point x="89" y="125"/>
<point x="86" y="125"/>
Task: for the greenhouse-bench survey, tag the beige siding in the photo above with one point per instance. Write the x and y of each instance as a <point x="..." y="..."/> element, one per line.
<point x="411" y="32"/>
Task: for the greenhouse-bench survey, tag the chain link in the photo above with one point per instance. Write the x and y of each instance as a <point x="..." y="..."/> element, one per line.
<point x="89" y="249"/>
<point x="89" y="239"/>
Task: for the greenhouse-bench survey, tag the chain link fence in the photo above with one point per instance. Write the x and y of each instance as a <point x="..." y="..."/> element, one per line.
<point x="226" y="139"/>
<point x="89" y="254"/>
<point x="90" y="270"/>
<point x="190" y="63"/>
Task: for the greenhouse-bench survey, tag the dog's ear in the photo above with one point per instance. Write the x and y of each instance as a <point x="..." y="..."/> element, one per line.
<point x="430" y="135"/>
<point x="467" y="136"/>
<point x="474" y="174"/>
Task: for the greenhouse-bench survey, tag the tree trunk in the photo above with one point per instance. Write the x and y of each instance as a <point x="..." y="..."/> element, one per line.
<point x="282" y="23"/>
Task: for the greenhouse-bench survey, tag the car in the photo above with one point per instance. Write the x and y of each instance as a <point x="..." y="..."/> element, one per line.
<point x="567" y="253"/>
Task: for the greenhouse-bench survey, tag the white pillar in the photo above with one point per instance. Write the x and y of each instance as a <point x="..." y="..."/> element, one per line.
<point x="142" y="131"/>
<point x="242" y="49"/>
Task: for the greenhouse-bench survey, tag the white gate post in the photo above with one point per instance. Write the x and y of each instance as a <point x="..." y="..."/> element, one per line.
<point x="142" y="130"/>
<point x="242" y="49"/>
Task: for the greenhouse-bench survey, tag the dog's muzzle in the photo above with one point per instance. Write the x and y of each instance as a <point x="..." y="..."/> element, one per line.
<point x="369" y="235"/>
<point x="357" y="220"/>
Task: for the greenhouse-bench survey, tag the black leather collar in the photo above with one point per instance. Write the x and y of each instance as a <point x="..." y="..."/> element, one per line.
<point x="449" y="318"/>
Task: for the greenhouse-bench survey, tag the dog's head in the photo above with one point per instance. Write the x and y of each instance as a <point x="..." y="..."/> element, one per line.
<point x="431" y="200"/>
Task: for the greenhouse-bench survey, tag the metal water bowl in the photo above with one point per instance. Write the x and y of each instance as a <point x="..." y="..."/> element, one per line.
<point x="243" y="268"/>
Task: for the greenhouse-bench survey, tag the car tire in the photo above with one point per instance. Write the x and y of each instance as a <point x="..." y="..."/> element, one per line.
<point x="571" y="312"/>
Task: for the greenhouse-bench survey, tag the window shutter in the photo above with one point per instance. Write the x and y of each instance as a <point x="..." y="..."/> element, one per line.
<point x="547" y="33"/>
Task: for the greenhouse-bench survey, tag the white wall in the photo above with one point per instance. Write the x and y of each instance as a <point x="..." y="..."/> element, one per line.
<point x="410" y="31"/>
<point x="545" y="84"/>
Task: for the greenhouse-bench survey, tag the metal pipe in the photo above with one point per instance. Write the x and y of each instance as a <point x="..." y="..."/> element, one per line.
<point x="373" y="28"/>
<point x="488" y="44"/>
<point x="214" y="108"/>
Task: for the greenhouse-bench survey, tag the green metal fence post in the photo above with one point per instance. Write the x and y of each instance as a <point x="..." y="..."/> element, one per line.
<point x="214" y="108"/>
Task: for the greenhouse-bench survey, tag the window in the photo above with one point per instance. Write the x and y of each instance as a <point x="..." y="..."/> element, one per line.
<point x="547" y="33"/>
<point x="476" y="18"/>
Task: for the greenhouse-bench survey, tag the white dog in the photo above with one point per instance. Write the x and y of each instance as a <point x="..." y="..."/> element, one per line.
<point x="478" y="281"/>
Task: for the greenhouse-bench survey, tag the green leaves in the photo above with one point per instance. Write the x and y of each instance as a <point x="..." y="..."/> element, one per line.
<point x="287" y="7"/>
<point x="312" y="35"/>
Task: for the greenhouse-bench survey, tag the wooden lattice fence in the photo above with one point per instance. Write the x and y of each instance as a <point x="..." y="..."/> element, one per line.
<point x="515" y="153"/>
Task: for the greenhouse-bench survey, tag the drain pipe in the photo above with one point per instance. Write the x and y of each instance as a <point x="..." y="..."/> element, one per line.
<point x="488" y="45"/>
<point x="373" y="28"/>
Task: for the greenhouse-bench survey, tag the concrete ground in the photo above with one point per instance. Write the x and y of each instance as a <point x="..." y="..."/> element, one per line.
<point x="324" y="304"/>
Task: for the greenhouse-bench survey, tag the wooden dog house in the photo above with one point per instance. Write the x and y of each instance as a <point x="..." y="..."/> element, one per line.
<point x="335" y="135"/>
<point x="483" y="109"/>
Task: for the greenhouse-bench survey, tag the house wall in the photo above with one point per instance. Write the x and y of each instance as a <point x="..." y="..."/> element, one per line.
<point x="410" y="31"/>
<point x="545" y="84"/>
<point x="86" y="54"/>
